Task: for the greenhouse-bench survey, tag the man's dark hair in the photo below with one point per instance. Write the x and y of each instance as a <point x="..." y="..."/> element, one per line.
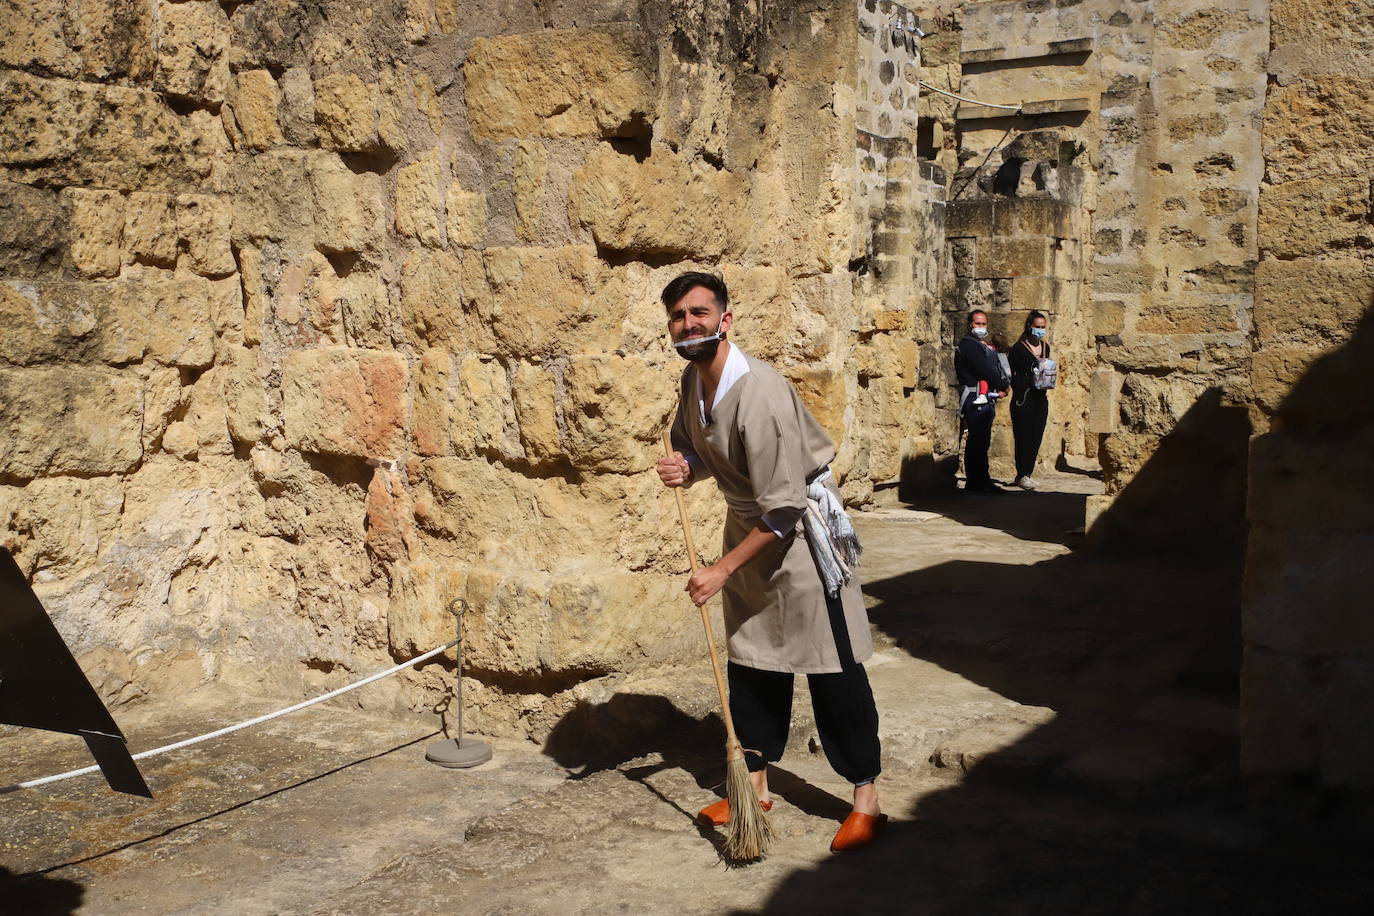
<point x="684" y="283"/>
<point x="976" y="312"/>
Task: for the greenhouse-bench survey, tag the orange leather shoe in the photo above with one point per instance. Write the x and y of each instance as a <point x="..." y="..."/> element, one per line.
<point x="858" y="831"/>
<point x="717" y="814"/>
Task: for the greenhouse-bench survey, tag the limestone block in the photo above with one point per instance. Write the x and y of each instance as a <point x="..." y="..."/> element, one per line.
<point x="1275" y="370"/>
<point x="825" y="393"/>
<point x="346" y="114"/>
<point x="978" y="218"/>
<point x="1012" y="257"/>
<point x="226" y="312"/>
<point x="273" y="197"/>
<point x="297" y="107"/>
<point x="1108" y="317"/>
<point x="34" y="331"/>
<point x="615" y="409"/>
<point x="244" y="377"/>
<point x="1183" y="313"/>
<point x="192" y="45"/>
<point x="1043" y="216"/>
<point x="561" y="83"/>
<point x="1202" y="29"/>
<point x="157" y="316"/>
<point x="1304" y="483"/>
<point x="661" y="206"/>
<point x="1312" y="216"/>
<point x="163" y="398"/>
<point x="69" y="420"/>
<point x="1154" y="405"/>
<point x="117" y="39"/>
<point x="1297" y="586"/>
<point x="205" y="224"/>
<point x="349" y="207"/>
<point x="256" y="101"/>
<point x="1279" y="713"/>
<point x="530" y="172"/>
<point x="71" y="133"/>
<point x="339" y="401"/>
<point x="1319" y="127"/>
<point x="891" y="356"/>
<point x="255" y="295"/>
<point x="150" y="229"/>
<point x="534" y="388"/>
<point x="390" y="521"/>
<point x="60" y="523"/>
<point x="95" y="231"/>
<point x="1310" y="303"/>
<point x="1347" y="747"/>
<point x="417" y="618"/>
<point x="367" y="313"/>
<point x="418" y="207"/>
<point x="482" y="416"/>
<point x="34" y="38"/>
<point x="31" y="236"/>
<point x="432" y="407"/>
<point x="436" y="301"/>
<point x="203" y="430"/>
<point x="1102" y="404"/>
<point x="548" y="301"/>
<point x="467" y="216"/>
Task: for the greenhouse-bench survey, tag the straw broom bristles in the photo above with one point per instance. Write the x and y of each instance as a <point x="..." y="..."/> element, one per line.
<point x="748" y="833"/>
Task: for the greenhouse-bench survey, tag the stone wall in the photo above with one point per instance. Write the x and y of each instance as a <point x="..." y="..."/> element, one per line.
<point x="1159" y="103"/>
<point x="319" y="315"/>
<point x="1309" y="637"/>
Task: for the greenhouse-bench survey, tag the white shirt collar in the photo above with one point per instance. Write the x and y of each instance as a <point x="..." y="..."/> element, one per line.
<point x="736" y="367"/>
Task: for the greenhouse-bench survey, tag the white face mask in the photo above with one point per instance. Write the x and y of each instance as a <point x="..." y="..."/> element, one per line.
<point x="980" y="333"/>
<point x="702" y="349"/>
<point x="1039" y="333"/>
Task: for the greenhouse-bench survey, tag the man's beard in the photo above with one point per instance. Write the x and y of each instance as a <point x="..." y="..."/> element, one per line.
<point x="702" y="352"/>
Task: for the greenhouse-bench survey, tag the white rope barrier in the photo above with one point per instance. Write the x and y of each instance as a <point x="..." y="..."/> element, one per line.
<point x="970" y="101"/>
<point x="248" y="724"/>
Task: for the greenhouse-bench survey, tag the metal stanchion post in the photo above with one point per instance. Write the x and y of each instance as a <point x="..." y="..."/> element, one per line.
<point x="458" y="752"/>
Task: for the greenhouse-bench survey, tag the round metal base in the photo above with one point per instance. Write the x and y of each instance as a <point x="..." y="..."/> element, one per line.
<point x="458" y="753"/>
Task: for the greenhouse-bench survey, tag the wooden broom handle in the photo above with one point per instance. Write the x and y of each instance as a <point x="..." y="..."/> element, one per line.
<point x="731" y="741"/>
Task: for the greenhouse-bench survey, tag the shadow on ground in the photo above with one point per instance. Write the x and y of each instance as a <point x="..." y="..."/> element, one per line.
<point x="38" y="895"/>
<point x="1124" y="796"/>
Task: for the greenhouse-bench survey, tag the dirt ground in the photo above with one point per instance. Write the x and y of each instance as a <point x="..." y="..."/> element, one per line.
<point x="1059" y="730"/>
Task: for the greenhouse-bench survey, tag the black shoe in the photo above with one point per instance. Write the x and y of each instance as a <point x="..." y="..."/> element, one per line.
<point x="988" y="487"/>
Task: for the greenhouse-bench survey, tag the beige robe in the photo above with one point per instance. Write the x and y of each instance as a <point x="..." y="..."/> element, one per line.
<point x="761" y="446"/>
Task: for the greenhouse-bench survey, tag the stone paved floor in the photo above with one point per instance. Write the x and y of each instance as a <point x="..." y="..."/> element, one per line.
<point x="1059" y="737"/>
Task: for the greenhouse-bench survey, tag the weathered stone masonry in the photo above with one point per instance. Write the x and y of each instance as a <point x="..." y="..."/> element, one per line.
<point x="318" y="315"/>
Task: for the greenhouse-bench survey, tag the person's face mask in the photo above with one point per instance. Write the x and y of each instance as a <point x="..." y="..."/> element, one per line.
<point x="1039" y="333"/>
<point x="701" y="349"/>
<point x="980" y="333"/>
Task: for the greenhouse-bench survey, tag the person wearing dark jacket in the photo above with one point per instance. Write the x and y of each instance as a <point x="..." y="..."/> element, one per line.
<point x="1030" y="406"/>
<point x="975" y="362"/>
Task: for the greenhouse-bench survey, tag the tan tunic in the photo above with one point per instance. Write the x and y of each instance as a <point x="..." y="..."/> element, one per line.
<point x="761" y="446"/>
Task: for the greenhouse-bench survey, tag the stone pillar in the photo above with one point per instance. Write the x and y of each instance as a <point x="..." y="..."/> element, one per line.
<point x="1308" y="675"/>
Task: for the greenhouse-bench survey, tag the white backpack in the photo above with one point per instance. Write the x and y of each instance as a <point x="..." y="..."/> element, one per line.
<point x="1045" y="373"/>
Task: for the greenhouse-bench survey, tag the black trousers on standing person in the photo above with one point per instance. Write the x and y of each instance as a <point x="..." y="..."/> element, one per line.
<point x="846" y="716"/>
<point x="1030" y="410"/>
<point x="979" y="426"/>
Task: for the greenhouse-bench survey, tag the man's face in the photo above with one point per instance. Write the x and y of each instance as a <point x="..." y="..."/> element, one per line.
<point x="696" y="315"/>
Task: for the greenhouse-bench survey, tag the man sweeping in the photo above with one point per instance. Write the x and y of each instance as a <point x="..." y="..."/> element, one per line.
<point x="792" y="601"/>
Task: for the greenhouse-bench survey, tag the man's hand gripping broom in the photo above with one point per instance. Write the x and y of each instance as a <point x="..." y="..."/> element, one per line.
<point x="748" y="833"/>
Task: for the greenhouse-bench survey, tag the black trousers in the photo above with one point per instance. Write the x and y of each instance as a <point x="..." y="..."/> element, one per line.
<point x="846" y="716"/>
<point x="976" y="447"/>
<point x="1028" y="418"/>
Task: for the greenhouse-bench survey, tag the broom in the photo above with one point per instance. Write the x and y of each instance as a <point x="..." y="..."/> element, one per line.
<point x="748" y="833"/>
